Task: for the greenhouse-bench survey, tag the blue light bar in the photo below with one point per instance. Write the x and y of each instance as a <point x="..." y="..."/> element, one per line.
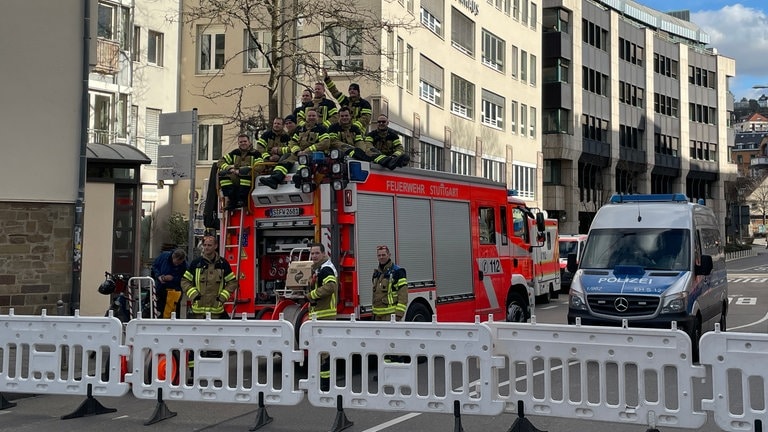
<point x="675" y="197"/>
<point x="358" y="171"/>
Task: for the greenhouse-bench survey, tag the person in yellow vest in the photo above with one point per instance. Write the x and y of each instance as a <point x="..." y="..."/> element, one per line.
<point x="323" y="295"/>
<point x="208" y="282"/>
<point x="390" y="287"/>
<point x="235" y="172"/>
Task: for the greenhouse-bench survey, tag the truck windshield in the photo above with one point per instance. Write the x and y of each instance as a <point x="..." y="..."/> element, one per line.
<point x="568" y="247"/>
<point x="652" y="249"/>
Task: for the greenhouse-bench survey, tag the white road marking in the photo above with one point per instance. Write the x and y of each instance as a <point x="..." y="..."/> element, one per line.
<point x="761" y="320"/>
<point x="392" y="422"/>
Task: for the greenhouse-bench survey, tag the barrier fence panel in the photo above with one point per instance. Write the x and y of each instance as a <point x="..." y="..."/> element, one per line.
<point x="623" y="375"/>
<point x="403" y="366"/>
<point x="61" y="354"/>
<point x="739" y="378"/>
<point x="230" y="360"/>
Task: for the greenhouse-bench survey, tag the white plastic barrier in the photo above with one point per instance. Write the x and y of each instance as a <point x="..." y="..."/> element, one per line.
<point x="234" y="360"/>
<point x="738" y="372"/>
<point x="453" y="359"/>
<point x="61" y="354"/>
<point x="623" y="375"/>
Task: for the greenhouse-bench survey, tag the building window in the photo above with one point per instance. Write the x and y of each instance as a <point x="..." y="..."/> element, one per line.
<point x="462" y="163"/>
<point x="211" y="45"/>
<point x="409" y="68"/>
<point x="513" y="120"/>
<point x="516" y="9"/>
<point x="102" y="119"/>
<point x="523" y="66"/>
<point x="152" y="133"/>
<point x="209" y="142"/>
<point x="533" y="122"/>
<point x="523" y="119"/>
<point x="524" y="12"/>
<point x="664" y="65"/>
<point x="555" y="20"/>
<point x="495" y="170"/>
<point x="462" y="97"/>
<point x="513" y="62"/>
<point x="493" y="51"/>
<point x="493" y="110"/>
<point x="432" y="22"/>
<point x="400" y="61"/>
<point x="555" y="70"/>
<point x="462" y="33"/>
<point x="533" y="70"/>
<point x="121" y="115"/>
<point x="552" y="172"/>
<point x="555" y="121"/>
<point x="431" y="82"/>
<point x="136" y="46"/>
<point x="258" y="44"/>
<point x="154" y="48"/>
<point x="524" y="180"/>
<point x="343" y="48"/>
<point x="431" y="157"/>
<point x="135" y="126"/>
<point x="534" y="15"/>
<point x="106" y="22"/>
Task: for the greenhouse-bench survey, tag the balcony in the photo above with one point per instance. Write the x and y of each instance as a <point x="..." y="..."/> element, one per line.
<point x="107" y="55"/>
<point x="759" y="162"/>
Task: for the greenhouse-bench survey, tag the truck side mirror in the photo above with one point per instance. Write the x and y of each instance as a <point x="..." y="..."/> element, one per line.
<point x="572" y="265"/>
<point x="540" y="222"/>
<point x="705" y="268"/>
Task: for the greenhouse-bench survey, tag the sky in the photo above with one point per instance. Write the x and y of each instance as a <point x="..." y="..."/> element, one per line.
<point x="738" y="29"/>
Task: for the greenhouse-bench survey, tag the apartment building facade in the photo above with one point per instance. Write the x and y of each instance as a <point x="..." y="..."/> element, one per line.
<point x="460" y="82"/>
<point x="633" y="102"/>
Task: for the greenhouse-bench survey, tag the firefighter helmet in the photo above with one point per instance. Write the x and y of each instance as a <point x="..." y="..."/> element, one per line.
<point x="107" y="287"/>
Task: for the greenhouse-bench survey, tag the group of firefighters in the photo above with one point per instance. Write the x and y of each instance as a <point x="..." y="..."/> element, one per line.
<point x="319" y="124"/>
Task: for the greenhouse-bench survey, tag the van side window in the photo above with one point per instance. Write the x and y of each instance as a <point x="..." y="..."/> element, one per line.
<point x="518" y="224"/>
<point x="487" y="225"/>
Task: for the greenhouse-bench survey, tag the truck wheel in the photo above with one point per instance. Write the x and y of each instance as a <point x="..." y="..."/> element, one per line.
<point x="515" y="308"/>
<point x="553" y="293"/>
<point x="418" y="313"/>
<point x="264" y="314"/>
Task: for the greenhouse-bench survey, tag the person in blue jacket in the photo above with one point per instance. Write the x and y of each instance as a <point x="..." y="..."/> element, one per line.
<point x="167" y="270"/>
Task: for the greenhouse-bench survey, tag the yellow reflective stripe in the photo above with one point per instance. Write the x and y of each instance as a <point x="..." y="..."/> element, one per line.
<point x="229" y="277"/>
<point x="330" y="278"/>
<point x="225" y="294"/>
<point x="192" y="292"/>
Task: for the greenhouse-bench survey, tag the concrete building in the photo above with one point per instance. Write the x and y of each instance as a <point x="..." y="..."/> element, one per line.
<point x="633" y="102"/>
<point x="755" y="122"/>
<point x="461" y="84"/>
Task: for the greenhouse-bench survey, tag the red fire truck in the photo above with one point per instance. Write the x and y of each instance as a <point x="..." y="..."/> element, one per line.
<point x="469" y="248"/>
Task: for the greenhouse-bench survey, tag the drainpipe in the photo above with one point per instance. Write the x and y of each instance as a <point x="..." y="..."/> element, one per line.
<point x="77" y="232"/>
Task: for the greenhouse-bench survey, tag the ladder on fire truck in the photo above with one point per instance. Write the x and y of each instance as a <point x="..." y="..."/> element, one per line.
<point x="232" y="249"/>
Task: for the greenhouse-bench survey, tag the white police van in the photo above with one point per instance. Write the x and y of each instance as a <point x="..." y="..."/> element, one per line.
<point x="651" y="260"/>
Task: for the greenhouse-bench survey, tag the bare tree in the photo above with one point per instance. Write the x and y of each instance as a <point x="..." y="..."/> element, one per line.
<point x="306" y="36"/>
<point x="758" y="199"/>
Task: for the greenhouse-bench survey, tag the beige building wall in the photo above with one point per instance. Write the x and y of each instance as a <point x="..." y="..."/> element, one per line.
<point x="97" y="240"/>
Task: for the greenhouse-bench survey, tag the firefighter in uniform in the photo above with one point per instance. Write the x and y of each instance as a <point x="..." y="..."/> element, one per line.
<point x="323" y="295"/>
<point x="208" y="283"/>
<point x="236" y="171"/>
<point x="350" y="139"/>
<point x="390" y="287"/>
<point x="387" y="141"/>
<point x="311" y="137"/>
<point x="325" y="107"/>
<point x="277" y="137"/>
<point x="306" y="102"/>
<point x="360" y="108"/>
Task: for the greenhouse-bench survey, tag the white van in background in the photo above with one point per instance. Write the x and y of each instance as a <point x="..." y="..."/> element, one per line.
<point x="652" y="260"/>
<point x="569" y="244"/>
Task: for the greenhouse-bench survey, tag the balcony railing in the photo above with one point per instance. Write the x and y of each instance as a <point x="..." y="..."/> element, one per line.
<point x="759" y="162"/>
<point x="107" y="55"/>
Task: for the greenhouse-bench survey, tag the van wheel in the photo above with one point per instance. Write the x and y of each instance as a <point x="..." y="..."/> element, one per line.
<point x="553" y="293"/>
<point x="723" y="315"/>
<point x="418" y="313"/>
<point x="515" y="309"/>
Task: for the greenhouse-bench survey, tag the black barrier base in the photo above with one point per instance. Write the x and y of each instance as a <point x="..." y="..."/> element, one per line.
<point x="161" y="410"/>
<point x="5" y="404"/>
<point x="522" y="424"/>
<point x="262" y="418"/>
<point x="457" y="427"/>
<point x="341" y="422"/>
<point x="89" y="407"/>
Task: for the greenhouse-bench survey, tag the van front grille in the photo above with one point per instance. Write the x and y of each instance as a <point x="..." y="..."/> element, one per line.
<point x="623" y="305"/>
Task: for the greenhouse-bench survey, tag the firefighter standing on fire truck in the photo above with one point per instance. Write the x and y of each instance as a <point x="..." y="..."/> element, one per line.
<point x="390" y="287"/>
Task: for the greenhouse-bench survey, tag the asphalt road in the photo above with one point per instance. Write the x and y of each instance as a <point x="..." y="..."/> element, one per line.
<point x="749" y="313"/>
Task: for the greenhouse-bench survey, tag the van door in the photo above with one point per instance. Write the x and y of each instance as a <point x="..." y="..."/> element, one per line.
<point x="490" y="271"/>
